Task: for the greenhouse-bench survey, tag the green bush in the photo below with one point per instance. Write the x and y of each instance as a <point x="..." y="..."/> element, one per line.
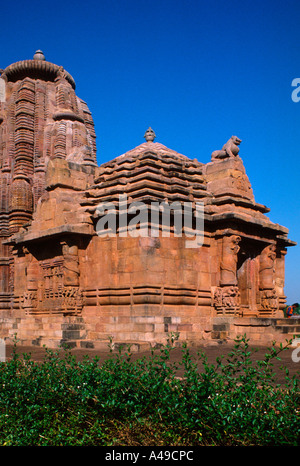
<point x="62" y="401"/>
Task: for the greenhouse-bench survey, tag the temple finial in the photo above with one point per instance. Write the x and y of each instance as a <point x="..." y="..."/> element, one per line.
<point x="39" y="55"/>
<point x="149" y="135"/>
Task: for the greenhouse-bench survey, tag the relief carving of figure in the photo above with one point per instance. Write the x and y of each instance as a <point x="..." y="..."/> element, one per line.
<point x="30" y="300"/>
<point x="230" y="149"/>
<point x="268" y="295"/>
<point x="227" y="300"/>
<point x="71" y="265"/>
<point x="230" y="249"/>
<point x="266" y="268"/>
<point x="269" y="300"/>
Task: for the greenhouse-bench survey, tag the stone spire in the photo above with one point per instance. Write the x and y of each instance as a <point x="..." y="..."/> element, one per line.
<point x="41" y="118"/>
<point x="149" y="135"/>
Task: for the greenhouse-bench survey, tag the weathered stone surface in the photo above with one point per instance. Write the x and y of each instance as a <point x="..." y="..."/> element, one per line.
<point x="63" y="279"/>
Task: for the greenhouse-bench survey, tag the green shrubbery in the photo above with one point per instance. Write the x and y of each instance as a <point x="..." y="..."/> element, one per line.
<point x="62" y="401"/>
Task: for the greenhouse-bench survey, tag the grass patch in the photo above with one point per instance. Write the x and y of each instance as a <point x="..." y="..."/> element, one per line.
<point x="62" y="401"/>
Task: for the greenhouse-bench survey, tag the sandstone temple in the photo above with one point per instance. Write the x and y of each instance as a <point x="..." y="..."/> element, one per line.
<point x="62" y="280"/>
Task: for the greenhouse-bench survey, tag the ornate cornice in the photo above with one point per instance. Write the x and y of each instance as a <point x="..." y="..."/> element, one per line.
<point x="36" y="69"/>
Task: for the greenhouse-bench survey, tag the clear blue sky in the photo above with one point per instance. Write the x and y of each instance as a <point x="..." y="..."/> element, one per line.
<point x="195" y="71"/>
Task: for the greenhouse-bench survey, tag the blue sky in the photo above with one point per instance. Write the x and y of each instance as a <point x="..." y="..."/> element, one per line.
<point x="197" y="72"/>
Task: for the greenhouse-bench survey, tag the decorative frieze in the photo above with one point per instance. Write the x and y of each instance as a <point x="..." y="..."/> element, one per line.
<point x="268" y="301"/>
<point x="226" y="300"/>
<point x="53" y="295"/>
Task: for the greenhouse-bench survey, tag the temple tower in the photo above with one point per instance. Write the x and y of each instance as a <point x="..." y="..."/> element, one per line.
<point x="41" y="118"/>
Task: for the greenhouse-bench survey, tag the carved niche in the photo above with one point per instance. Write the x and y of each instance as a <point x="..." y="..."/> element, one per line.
<point x="57" y="285"/>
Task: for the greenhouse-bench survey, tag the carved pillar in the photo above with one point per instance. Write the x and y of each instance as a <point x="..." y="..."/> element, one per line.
<point x="266" y="268"/>
<point x="30" y="301"/>
<point x="230" y="249"/>
<point x="71" y="264"/>
<point x="279" y="278"/>
<point x="227" y="296"/>
<point x="268" y="295"/>
<point x="72" y="292"/>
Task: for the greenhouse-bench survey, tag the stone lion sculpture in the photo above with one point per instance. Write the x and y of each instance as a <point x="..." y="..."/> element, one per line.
<point x="230" y="149"/>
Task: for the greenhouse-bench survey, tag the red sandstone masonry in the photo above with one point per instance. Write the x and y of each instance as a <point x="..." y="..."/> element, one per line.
<point x="61" y="282"/>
